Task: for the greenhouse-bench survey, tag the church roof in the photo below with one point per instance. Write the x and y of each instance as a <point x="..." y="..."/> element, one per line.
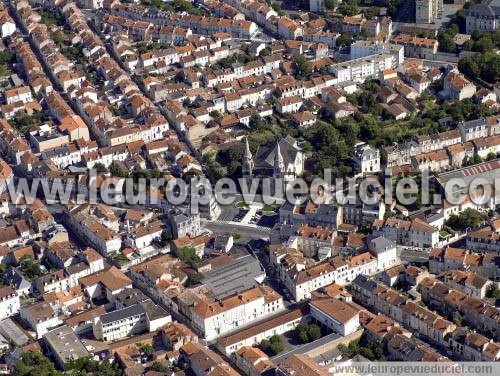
<point x="266" y="154"/>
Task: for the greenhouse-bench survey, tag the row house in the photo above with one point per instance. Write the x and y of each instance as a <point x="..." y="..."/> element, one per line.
<point x="105" y="155"/>
<point x="328" y="38"/>
<point x="485" y="147"/>
<point x="70" y="154"/>
<point x="421" y="48"/>
<point x="301" y="278"/>
<point x="289" y="29"/>
<point x="199" y="24"/>
<point x="399" y="342"/>
<point x="448" y="258"/>
<point x="476" y="312"/>
<point x="485" y="240"/>
<point x="257" y="11"/>
<point x="469" y="283"/>
<point x="434" y="161"/>
<point x="473" y="347"/>
<point x="18" y="94"/>
<point x="414" y="233"/>
<point x="171" y="34"/>
<point x="473" y="129"/>
<point x="143" y="236"/>
<point x="8" y="27"/>
<point x="12" y="145"/>
<point x="9" y="302"/>
<point x="310" y="240"/>
<point x="105" y="240"/>
<point x="375" y="295"/>
<point x="40" y="317"/>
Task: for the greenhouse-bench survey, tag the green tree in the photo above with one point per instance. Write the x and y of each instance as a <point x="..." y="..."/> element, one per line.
<point x="194" y="279"/>
<point x="469" y="218"/>
<point x="348" y="8"/>
<point x="5" y="57"/>
<point x="189" y="256"/>
<point x="277" y="345"/>
<point x="265" y="345"/>
<point x="303" y="67"/>
<point x="308" y="333"/>
<point x="100" y="168"/>
<point x="446" y="43"/>
<point x="345" y="39"/>
<point x="302" y="332"/>
<point x="393" y="7"/>
<point x="468" y="66"/>
<point x="29" y="268"/>
<point x="256" y="122"/>
<point x="214" y="170"/>
<point x="86" y="366"/>
<point x="147" y="349"/>
<point x="35" y="364"/>
<point x="314" y="332"/>
<point x="493" y="291"/>
<point x="158" y="367"/>
<point x="371" y="12"/>
<point x="491" y="155"/>
<point x="116" y="171"/>
<point x="457" y="319"/>
<point x="330" y="4"/>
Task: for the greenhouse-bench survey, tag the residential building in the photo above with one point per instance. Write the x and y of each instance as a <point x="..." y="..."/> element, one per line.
<point x="252" y="335"/>
<point x="135" y="319"/>
<point x="214" y="319"/>
<point x="483" y="16"/>
<point x="9" y="302"/>
<point x="422" y="48"/>
<point x="300" y="365"/>
<point x="65" y="346"/>
<point x="335" y="315"/>
<point x="40" y="317"/>
<point x="367" y="159"/>
<point x="456" y="86"/>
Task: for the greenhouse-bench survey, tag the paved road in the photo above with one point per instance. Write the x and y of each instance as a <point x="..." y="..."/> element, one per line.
<point x="434" y="63"/>
<point x="414" y="256"/>
<point x="244" y="230"/>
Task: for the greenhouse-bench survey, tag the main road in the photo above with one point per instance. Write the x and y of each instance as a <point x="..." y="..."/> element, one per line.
<point x="246" y="231"/>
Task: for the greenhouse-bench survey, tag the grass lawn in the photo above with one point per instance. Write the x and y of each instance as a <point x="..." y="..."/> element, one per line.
<point x="241" y="205"/>
<point x="268" y="208"/>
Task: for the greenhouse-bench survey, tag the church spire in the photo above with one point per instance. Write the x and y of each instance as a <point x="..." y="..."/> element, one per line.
<point x="247" y="165"/>
<point x="279" y="165"/>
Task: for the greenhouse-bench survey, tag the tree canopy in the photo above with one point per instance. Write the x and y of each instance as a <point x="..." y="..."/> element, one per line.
<point x="273" y="345"/>
<point x="189" y="256"/>
<point x="35" y="364"/>
<point x="469" y="218"/>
